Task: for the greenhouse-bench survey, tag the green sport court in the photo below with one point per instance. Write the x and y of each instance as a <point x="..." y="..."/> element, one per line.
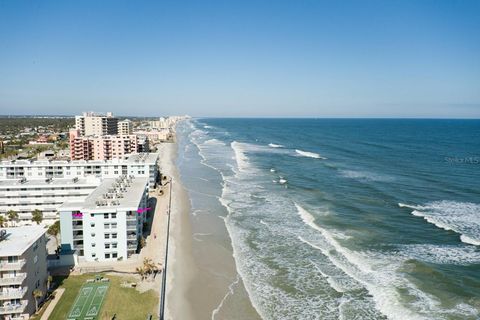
<point x="89" y="301"/>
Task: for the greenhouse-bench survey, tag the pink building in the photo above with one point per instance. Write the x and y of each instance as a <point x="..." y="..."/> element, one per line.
<point x="101" y="147"/>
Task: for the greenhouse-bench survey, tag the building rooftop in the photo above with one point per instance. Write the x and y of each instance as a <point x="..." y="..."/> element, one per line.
<point x="19" y="239"/>
<point x="125" y="192"/>
<point x="90" y="180"/>
<point x="143" y="158"/>
<point x="133" y="158"/>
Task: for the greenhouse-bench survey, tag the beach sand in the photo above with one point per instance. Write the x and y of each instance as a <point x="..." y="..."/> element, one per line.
<point x="202" y="280"/>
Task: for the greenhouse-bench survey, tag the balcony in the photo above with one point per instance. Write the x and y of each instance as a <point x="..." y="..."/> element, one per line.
<point x="13" y="280"/>
<point x="17" y="265"/>
<point x="77" y="227"/>
<point x="13" y="308"/>
<point x="8" y="294"/>
<point x="131" y="236"/>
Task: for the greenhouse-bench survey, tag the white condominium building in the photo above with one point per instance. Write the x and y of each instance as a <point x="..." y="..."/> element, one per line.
<point x="23" y="269"/>
<point x="24" y="196"/>
<point x="139" y="165"/>
<point x="109" y="223"/>
<point x="46" y="185"/>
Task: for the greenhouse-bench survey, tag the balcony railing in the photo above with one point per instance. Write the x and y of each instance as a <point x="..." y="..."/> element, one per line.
<point x="14" y="308"/>
<point x="8" y="294"/>
<point x="13" y="280"/>
<point x="17" y="265"/>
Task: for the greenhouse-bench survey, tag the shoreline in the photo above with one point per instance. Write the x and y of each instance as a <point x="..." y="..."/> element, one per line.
<point x="203" y="281"/>
<point x="179" y="274"/>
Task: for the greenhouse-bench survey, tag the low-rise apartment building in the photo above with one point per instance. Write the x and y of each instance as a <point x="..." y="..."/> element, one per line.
<point x="24" y="196"/>
<point x="23" y="269"/>
<point x="45" y="185"/>
<point x="139" y="164"/>
<point x="108" y="225"/>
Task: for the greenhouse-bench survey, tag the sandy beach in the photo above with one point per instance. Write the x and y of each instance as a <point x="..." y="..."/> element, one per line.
<point x="202" y="280"/>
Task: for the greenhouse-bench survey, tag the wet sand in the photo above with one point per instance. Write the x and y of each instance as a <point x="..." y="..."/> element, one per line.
<point x="202" y="280"/>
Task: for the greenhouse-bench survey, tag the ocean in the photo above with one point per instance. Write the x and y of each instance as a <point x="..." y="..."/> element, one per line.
<point x="337" y="218"/>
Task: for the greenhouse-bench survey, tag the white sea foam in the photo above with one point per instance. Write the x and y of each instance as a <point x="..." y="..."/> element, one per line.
<point x="365" y="175"/>
<point x="460" y="217"/>
<point x="273" y="145"/>
<point x="309" y="154"/>
<point x="377" y="273"/>
<point x="214" y="142"/>
<point x="440" y="254"/>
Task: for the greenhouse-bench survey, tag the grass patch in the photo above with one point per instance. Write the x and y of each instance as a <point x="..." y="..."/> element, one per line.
<point x="126" y="303"/>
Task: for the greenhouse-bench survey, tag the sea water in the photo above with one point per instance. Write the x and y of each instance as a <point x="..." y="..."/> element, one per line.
<point x="339" y="219"/>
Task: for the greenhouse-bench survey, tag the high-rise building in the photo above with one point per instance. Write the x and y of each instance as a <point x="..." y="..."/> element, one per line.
<point x="95" y="124"/>
<point x="23" y="269"/>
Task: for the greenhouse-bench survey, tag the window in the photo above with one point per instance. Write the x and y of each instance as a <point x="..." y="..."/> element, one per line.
<point x="114" y="236"/>
<point x="92" y="215"/>
<point x="114" y="245"/>
<point x="114" y="255"/>
<point x="114" y="226"/>
<point x="107" y="236"/>
<point x="106" y="225"/>
<point x="107" y="255"/>
<point x="94" y="255"/>
<point x="92" y="224"/>
<point x="105" y="215"/>
<point x="114" y="215"/>
<point x="93" y="245"/>
<point x="93" y="235"/>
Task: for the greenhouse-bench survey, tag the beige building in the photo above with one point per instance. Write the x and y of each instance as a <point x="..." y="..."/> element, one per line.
<point x="94" y="124"/>
<point x="23" y="269"/>
<point x="125" y="127"/>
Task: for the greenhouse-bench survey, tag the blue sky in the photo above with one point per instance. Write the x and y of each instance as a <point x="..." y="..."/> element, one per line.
<point x="295" y="58"/>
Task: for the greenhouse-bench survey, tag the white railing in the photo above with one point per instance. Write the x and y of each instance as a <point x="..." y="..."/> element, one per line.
<point x="13" y="293"/>
<point x="13" y="280"/>
<point x="14" y="308"/>
<point x="17" y="265"/>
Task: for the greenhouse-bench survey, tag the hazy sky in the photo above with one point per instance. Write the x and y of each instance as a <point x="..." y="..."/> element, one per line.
<point x="388" y="58"/>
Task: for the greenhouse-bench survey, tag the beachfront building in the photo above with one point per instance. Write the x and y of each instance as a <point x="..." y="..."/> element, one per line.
<point x="103" y="147"/>
<point x="95" y="124"/>
<point x="23" y="196"/>
<point x="125" y="127"/>
<point x="139" y="164"/>
<point x="23" y="269"/>
<point x="45" y="185"/>
<point x="108" y="225"/>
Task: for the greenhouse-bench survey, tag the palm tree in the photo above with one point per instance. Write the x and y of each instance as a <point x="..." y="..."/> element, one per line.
<point x="37" y="294"/>
<point x="12" y="216"/>
<point x="37" y="216"/>
<point x="54" y="230"/>
<point x="141" y="272"/>
<point x="49" y="282"/>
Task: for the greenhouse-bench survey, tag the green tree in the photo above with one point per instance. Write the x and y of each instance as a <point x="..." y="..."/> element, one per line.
<point x="49" y="282"/>
<point x="2" y="220"/>
<point x="37" y="294"/>
<point x="54" y="231"/>
<point x="37" y="216"/>
<point x="12" y="216"/>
